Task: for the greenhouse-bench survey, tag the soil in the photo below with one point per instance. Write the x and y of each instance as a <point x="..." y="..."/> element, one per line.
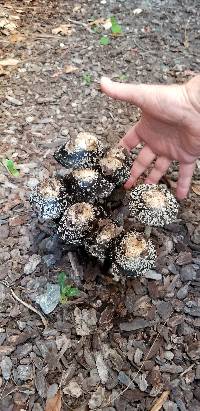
<point x="115" y="346"/>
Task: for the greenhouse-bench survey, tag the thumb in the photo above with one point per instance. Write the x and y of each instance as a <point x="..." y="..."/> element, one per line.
<point x="137" y="94"/>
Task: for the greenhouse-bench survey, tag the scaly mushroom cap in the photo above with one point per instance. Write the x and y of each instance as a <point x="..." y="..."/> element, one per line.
<point x="49" y="198"/>
<point x="88" y="185"/>
<point x="103" y="238"/>
<point x="82" y="152"/>
<point x="153" y="204"/>
<point x="134" y="255"/>
<point x="76" y="222"/>
<point x="116" y="165"/>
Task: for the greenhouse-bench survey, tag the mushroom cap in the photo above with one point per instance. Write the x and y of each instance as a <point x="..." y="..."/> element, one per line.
<point x="88" y="185"/>
<point x="115" y="164"/>
<point x="134" y="255"/>
<point x="49" y="198"/>
<point x="77" y="220"/>
<point x="103" y="238"/>
<point x="153" y="204"/>
<point x="80" y="152"/>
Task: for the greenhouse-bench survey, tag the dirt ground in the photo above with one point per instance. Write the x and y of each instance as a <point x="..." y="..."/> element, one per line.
<point x="116" y="347"/>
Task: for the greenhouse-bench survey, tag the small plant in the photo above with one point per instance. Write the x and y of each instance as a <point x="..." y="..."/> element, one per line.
<point x="115" y="28"/>
<point x="87" y="78"/>
<point x="10" y="166"/>
<point x="66" y="290"/>
<point x="104" y="41"/>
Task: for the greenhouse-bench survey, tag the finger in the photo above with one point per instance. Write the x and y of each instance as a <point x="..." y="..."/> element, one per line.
<point x="130" y="140"/>
<point x="134" y="93"/>
<point x="184" y="180"/>
<point x="141" y="163"/>
<point x="160" y="167"/>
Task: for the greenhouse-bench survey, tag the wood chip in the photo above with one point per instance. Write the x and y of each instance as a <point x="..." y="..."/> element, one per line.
<point x="196" y="189"/>
<point x="161" y="400"/>
<point x="55" y="403"/>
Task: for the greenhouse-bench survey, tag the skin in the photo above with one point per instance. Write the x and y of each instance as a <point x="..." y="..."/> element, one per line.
<point x="169" y="128"/>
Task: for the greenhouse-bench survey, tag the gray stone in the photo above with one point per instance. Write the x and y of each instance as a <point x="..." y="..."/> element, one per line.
<point x="32" y="264"/>
<point x="168" y="355"/>
<point x="182" y="292"/>
<point x="24" y="372"/>
<point x="23" y="350"/>
<point x="185" y="257"/>
<point x="50" y="299"/>
<point x="170" y="406"/>
<point x="164" y="309"/>
<point x="4" y="232"/>
<point x="2" y="293"/>
<point x="52" y="390"/>
<point x="194" y="311"/>
<point x="64" y="132"/>
<point x="171" y="368"/>
<point x="125" y="380"/>
<point x="137" y="324"/>
<point x="188" y="273"/>
<point x="49" y="260"/>
<point x="153" y="275"/>
<point x="37" y="407"/>
<point x="196" y="235"/>
<point x="6" y="367"/>
<point x="198" y="372"/>
<point x="14" y="101"/>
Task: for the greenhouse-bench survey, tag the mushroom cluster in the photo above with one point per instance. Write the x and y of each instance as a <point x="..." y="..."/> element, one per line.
<point x="78" y="204"/>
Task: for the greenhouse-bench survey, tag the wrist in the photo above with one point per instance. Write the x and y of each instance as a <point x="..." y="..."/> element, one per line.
<point x="192" y="88"/>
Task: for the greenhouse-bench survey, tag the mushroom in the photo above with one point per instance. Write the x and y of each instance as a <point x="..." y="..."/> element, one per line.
<point x="153" y="205"/>
<point x="76" y="222"/>
<point x="103" y="238"/>
<point x="82" y="152"/>
<point x="88" y="185"/>
<point x="49" y="198"/>
<point x="115" y="165"/>
<point x="134" y="255"/>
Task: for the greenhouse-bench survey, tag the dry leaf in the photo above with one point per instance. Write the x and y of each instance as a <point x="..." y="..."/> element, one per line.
<point x="196" y="189"/>
<point x="70" y="69"/>
<point x="161" y="400"/>
<point x="9" y="62"/>
<point x="16" y="38"/>
<point x="54" y="404"/>
<point x="63" y="29"/>
<point x="98" y="22"/>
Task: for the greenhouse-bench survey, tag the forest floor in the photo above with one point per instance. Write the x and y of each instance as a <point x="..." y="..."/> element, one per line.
<point x="117" y="347"/>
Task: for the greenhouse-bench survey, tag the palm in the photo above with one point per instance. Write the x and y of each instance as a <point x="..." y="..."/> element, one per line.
<point x="168" y="130"/>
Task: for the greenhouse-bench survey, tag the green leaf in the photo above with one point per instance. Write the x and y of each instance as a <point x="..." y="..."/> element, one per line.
<point x="61" y="281"/>
<point x="9" y="164"/>
<point x="71" y="291"/>
<point x="87" y="78"/>
<point x="116" y="28"/>
<point x="104" y="41"/>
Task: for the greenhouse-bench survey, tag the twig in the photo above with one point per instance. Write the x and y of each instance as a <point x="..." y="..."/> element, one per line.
<point x="77" y="269"/>
<point x="80" y="23"/>
<point x="30" y="307"/>
<point x="161" y="400"/>
<point x="186" y="39"/>
<point x="187" y="369"/>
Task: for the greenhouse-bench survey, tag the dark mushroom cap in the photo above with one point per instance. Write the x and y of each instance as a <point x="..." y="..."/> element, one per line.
<point x="76" y="222"/>
<point x="153" y="204"/>
<point x="103" y="238"/>
<point x="49" y="198"/>
<point x="116" y="164"/>
<point x="88" y="185"/>
<point x="134" y="255"/>
<point x="82" y="152"/>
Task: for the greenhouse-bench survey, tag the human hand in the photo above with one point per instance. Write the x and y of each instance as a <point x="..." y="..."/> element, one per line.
<point x="169" y="128"/>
